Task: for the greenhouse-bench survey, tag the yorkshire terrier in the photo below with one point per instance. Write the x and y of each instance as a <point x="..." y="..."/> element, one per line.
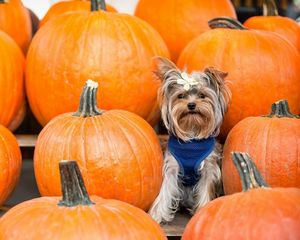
<point x="193" y="107"/>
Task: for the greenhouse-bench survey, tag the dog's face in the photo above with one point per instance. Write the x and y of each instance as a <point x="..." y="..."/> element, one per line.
<point x="192" y="106"/>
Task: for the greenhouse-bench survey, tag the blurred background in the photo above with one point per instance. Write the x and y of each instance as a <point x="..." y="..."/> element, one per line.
<point x="245" y="8"/>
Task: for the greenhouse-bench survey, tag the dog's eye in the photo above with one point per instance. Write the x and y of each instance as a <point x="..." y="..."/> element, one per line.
<point x="180" y="96"/>
<point x="201" y="95"/>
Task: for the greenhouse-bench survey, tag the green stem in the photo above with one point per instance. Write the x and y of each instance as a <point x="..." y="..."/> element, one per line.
<point x="280" y="109"/>
<point x="249" y="174"/>
<point x="270" y="8"/>
<point x="225" y="22"/>
<point x="73" y="189"/>
<point x="95" y="4"/>
<point x="88" y="101"/>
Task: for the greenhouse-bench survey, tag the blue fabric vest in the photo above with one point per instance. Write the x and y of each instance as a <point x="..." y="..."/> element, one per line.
<point x="190" y="155"/>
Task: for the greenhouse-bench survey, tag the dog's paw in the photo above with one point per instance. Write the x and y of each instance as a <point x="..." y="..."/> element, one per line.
<point x="160" y="216"/>
<point x="156" y="215"/>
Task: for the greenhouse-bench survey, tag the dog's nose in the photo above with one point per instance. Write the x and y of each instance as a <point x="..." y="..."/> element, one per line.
<point x="191" y="106"/>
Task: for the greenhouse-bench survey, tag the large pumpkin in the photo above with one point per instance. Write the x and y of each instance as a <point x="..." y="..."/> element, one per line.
<point x="117" y="151"/>
<point x="77" y="216"/>
<point x="179" y="22"/>
<point x="271" y="21"/>
<point x="12" y="105"/>
<point x="63" y="7"/>
<point x="262" y="67"/>
<point x="15" y="21"/>
<point x="274" y="143"/>
<point x="259" y="213"/>
<point x="114" y="49"/>
<point x="10" y="163"/>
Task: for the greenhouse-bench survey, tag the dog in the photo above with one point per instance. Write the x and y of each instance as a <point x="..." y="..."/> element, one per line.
<point x="192" y="108"/>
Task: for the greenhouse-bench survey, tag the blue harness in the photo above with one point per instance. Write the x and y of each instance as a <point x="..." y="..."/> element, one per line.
<point x="190" y="155"/>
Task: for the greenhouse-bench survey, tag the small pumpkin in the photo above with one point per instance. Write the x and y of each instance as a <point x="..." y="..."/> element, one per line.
<point x="262" y="67"/>
<point x="15" y="21"/>
<point x="63" y="7"/>
<point x="271" y="21"/>
<point x="118" y="152"/>
<point x="259" y="212"/>
<point x="12" y="100"/>
<point x="179" y="22"/>
<point x="273" y="141"/>
<point x="10" y="163"/>
<point x="113" y="49"/>
<point x="77" y="216"/>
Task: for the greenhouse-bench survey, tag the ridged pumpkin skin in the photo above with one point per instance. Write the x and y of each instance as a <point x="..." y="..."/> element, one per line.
<point x="260" y="214"/>
<point x="12" y="98"/>
<point x="262" y="68"/>
<point x="63" y="7"/>
<point x="179" y="22"/>
<point x="111" y="48"/>
<point x="76" y="216"/>
<point x="118" y="154"/>
<point x="41" y="218"/>
<point x="15" y="21"/>
<point x="274" y="144"/>
<point x="284" y="26"/>
<point x="10" y="163"/>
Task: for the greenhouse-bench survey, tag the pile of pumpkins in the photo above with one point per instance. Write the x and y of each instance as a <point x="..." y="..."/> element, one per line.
<point x="114" y="149"/>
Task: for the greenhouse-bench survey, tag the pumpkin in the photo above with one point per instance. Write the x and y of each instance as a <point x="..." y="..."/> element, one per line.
<point x="77" y="216"/>
<point x="116" y="53"/>
<point x="262" y="67"/>
<point x="272" y="140"/>
<point x="118" y="152"/>
<point x="12" y="103"/>
<point x="271" y="21"/>
<point x="10" y="163"/>
<point x="259" y="213"/>
<point x="179" y="22"/>
<point x="15" y="21"/>
<point x="60" y="8"/>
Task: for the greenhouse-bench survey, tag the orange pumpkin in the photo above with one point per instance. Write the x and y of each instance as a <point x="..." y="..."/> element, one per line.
<point x="15" y="21"/>
<point x="77" y="216"/>
<point x="117" y="53"/>
<point x="273" y="141"/>
<point x="10" y="163"/>
<point x="117" y="151"/>
<point x="271" y="21"/>
<point x="60" y="8"/>
<point x="262" y="67"/>
<point x="259" y="213"/>
<point x="12" y="103"/>
<point x="179" y="22"/>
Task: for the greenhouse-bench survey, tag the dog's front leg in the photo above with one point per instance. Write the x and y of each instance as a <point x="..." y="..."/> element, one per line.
<point x="210" y="184"/>
<point x="167" y="202"/>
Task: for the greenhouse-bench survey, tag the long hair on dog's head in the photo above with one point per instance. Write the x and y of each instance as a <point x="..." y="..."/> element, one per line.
<point x="192" y="105"/>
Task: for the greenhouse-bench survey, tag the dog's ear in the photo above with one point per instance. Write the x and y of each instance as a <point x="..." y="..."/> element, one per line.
<point x="217" y="81"/>
<point x="164" y="68"/>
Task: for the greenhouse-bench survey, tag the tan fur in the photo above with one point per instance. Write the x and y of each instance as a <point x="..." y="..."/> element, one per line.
<point x="211" y="97"/>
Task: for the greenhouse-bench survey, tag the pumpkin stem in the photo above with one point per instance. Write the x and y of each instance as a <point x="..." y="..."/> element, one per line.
<point x="4" y="1"/>
<point x="281" y="109"/>
<point x="88" y="101"/>
<point x="249" y="174"/>
<point x="73" y="189"/>
<point x="226" y="22"/>
<point x="96" y="3"/>
<point x="270" y="8"/>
